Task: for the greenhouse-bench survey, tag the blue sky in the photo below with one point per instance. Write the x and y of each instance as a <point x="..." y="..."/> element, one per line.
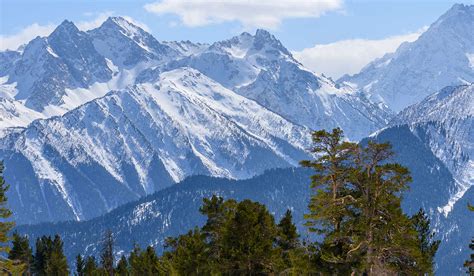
<point x="299" y="24"/>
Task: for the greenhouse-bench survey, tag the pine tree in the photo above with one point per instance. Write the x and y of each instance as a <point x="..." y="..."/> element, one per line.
<point x="122" y="267"/>
<point x="79" y="265"/>
<point x="287" y="234"/>
<point x="287" y="240"/>
<point x="428" y="245"/>
<point x="382" y="233"/>
<point x="56" y="263"/>
<point x="189" y="253"/>
<point x="90" y="266"/>
<point x="107" y="256"/>
<point x="357" y="207"/>
<point x="21" y="252"/>
<point x="330" y="203"/>
<point x="218" y="213"/>
<point x="43" y="247"/>
<point x="248" y="241"/>
<point x="6" y="265"/>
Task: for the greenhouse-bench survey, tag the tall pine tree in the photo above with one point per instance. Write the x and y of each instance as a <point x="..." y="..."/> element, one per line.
<point x="6" y="265"/>
<point x="21" y="252"/>
<point x="79" y="265"/>
<point x="357" y="207"/>
<point x="107" y="256"/>
<point x="329" y="206"/>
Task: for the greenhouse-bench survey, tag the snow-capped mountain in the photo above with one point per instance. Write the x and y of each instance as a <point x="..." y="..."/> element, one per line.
<point x="126" y="114"/>
<point x="259" y="67"/>
<point x="447" y="120"/>
<point x="186" y="48"/>
<point x="58" y="73"/>
<point x="126" y="44"/>
<point x="65" y="59"/>
<point x="440" y="57"/>
<point x="139" y="140"/>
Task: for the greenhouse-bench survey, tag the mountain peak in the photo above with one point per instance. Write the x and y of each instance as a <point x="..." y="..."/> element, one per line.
<point x="264" y="34"/>
<point x="65" y="27"/>
<point x="123" y="24"/>
<point x="263" y="38"/>
<point x="458" y="15"/>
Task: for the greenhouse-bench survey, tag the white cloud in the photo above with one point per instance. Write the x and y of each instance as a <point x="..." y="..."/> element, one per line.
<point x="350" y="56"/>
<point x="94" y="23"/>
<point x="12" y="42"/>
<point x="262" y="13"/>
<point x="101" y="17"/>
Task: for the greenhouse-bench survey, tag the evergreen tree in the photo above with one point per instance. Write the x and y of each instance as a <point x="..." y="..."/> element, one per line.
<point x="218" y="213"/>
<point x="49" y="257"/>
<point x="21" y="251"/>
<point x="146" y="262"/>
<point x="6" y="265"/>
<point x="428" y="245"/>
<point x="287" y="240"/>
<point x="189" y="253"/>
<point x="107" y="256"/>
<point x="287" y="234"/>
<point x="43" y="247"/>
<point x="79" y="265"/>
<point x="329" y="206"/>
<point x="90" y="266"/>
<point x="56" y="263"/>
<point x="248" y="241"/>
<point x="122" y="267"/>
<point x="357" y="207"/>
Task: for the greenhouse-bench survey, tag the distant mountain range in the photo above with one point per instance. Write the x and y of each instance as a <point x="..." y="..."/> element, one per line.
<point x="125" y="115"/>
<point x="90" y="121"/>
<point x="442" y="56"/>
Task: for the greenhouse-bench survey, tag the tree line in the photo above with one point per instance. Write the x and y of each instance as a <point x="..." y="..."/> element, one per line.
<point x="354" y="215"/>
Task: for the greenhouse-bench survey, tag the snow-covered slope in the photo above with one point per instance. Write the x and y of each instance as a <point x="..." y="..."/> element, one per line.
<point x="437" y="136"/>
<point x="441" y="56"/>
<point x="55" y="74"/>
<point x="136" y="141"/>
<point x="126" y="44"/>
<point x="187" y="48"/>
<point x="259" y="67"/>
<point x="448" y="120"/>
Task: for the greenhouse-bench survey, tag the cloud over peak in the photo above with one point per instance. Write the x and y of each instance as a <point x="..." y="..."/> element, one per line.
<point x="350" y="56"/>
<point x="260" y="14"/>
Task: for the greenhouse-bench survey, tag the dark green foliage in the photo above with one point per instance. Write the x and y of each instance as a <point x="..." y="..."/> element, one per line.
<point x="428" y="245"/>
<point x="146" y="262"/>
<point x="287" y="233"/>
<point x="122" y="267"/>
<point x="5" y="213"/>
<point x="330" y="204"/>
<point x="107" y="256"/>
<point x="49" y="257"/>
<point x="238" y="238"/>
<point x="90" y="266"/>
<point x="190" y="254"/>
<point x="6" y="265"/>
<point x="358" y="210"/>
<point x="80" y="265"/>
<point x="21" y="251"/>
<point x="247" y="242"/>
